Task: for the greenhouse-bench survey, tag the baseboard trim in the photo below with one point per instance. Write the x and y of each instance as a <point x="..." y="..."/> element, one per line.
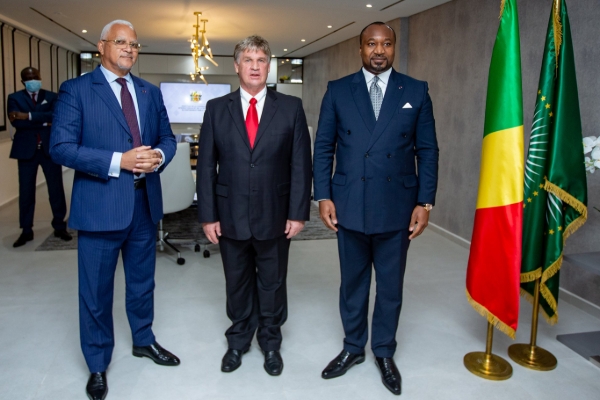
<point x="450" y="236"/>
<point x="579" y="302"/>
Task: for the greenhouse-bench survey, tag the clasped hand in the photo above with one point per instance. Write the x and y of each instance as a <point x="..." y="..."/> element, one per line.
<point x="142" y="159"/>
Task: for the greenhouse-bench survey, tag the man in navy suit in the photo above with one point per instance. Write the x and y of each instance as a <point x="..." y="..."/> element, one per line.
<point x="112" y="129"/>
<point x="30" y="112"/>
<point x="255" y="201"/>
<point x="377" y="123"/>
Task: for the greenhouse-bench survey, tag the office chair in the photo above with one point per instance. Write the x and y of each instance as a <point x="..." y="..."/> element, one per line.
<point x="178" y="190"/>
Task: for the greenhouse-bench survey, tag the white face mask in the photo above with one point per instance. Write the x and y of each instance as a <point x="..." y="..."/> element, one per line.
<point x="33" y="85"/>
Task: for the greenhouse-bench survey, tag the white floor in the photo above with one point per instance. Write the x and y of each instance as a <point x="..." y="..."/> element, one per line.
<point x="39" y="338"/>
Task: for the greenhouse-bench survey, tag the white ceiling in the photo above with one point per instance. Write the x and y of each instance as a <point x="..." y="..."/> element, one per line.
<point x="164" y="26"/>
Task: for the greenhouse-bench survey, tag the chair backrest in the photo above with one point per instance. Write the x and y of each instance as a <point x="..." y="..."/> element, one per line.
<point x="177" y="181"/>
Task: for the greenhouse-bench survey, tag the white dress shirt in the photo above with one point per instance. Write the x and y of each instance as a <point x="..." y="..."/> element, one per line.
<point x="260" y="101"/>
<point x="384" y="77"/>
<point x="115" y="164"/>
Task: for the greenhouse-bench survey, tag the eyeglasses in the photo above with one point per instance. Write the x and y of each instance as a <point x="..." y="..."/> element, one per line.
<point x="122" y="44"/>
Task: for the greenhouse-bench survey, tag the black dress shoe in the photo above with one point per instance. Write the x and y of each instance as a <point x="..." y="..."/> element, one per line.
<point x="63" y="234"/>
<point x="390" y="376"/>
<point x="232" y="360"/>
<point x="342" y="363"/>
<point x="97" y="387"/>
<point x="273" y="362"/>
<point x="157" y="354"/>
<point x="24" y="238"/>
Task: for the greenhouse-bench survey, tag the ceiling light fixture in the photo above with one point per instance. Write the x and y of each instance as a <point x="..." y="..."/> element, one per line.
<point x="369" y="6"/>
<point x="84" y="31"/>
<point x="200" y="48"/>
<point x="303" y="40"/>
<point x="329" y="26"/>
<point x="284" y="49"/>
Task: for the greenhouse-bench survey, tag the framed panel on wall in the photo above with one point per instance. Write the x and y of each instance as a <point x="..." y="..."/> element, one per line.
<point x="45" y="66"/>
<point x="3" y="94"/>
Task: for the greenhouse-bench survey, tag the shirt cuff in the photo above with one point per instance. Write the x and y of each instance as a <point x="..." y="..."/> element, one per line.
<point x="29" y="116"/>
<point x="162" y="159"/>
<point x="323" y="199"/>
<point x="115" y="165"/>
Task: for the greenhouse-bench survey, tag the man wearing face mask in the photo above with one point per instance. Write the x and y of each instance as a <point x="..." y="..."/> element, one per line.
<point x="30" y="112"/>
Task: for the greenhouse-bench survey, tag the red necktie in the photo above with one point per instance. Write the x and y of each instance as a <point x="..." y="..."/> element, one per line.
<point x="252" y="122"/>
<point x="38" y="138"/>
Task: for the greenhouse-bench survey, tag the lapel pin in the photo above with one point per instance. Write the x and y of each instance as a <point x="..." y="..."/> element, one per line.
<point x="143" y="90"/>
<point x="400" y="87"/>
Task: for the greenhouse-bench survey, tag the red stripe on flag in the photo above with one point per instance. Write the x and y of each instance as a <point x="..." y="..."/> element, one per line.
<point x="493" y="273"/>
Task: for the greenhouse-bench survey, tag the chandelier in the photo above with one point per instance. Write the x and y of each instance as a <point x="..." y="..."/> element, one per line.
<point x="200" y="48"/>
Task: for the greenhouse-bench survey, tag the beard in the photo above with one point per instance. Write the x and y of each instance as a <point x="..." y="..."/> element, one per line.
<point x="380" y="65"/>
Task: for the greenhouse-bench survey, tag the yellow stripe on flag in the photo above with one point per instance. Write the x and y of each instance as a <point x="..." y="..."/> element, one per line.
<point x="501" y="179"/>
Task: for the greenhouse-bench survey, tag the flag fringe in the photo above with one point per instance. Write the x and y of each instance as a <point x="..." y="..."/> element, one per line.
<point x="550" y="320"/>
<point x="557" y="25"/>
<point x="567" y="198"/>
<point x="502" y="4"/>
<point x="531" y="275"/>
<point x="491" y="318"/>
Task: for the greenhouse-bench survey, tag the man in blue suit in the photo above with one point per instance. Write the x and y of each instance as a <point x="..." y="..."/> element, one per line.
<point x="376" y="122"/>
<point x="112" y="129"/>
<point x="30" y="112"/>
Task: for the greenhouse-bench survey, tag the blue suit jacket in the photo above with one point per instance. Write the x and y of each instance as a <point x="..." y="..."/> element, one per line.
<point x="376" y="185"/>
<point x="25" y="140"/>
<point x="88" y="127"/>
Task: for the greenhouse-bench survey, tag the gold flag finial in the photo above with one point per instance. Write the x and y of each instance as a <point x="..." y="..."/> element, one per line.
<point x="558" y="35"/>
<point x="502" y="4"/>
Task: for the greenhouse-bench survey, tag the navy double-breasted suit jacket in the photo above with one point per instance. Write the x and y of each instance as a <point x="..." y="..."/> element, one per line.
<point x="384" y="167"/>
<point x="88" y="127"/>
<point x="25" y="139"/>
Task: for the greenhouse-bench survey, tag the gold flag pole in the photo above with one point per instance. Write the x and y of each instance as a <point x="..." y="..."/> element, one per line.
<point x="487" y="365"/>
<point x="530" y="355"/>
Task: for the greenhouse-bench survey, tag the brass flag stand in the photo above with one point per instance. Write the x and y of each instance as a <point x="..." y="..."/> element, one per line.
<point x="529" y="355"/>
<point x="487" y="365"/>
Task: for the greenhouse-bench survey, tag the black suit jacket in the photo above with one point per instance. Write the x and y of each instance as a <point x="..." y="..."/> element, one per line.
<point x="25" y="140"/>
<point x="254" y="191"/>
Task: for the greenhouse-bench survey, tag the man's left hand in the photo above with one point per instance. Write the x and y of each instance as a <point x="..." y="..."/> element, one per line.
<point x="418" y="221"/>
<point x="292" y="228"/>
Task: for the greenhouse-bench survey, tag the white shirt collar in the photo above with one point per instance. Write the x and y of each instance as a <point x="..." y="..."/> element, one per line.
<point x="247" y="96"/>
<point x="111" y="76"/>
<point x="383" y="77"/>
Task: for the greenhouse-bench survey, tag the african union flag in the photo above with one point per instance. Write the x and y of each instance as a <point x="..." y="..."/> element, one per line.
<point x="495" y="258"/>
<point x="555" y="186"/>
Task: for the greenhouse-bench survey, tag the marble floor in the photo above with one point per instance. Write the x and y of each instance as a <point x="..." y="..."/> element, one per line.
<point x="40" y="356"/>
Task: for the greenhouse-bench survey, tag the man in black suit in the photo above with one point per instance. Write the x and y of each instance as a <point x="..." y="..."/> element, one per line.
<point x="30" y="112"/>
<point x="256" y="201"/>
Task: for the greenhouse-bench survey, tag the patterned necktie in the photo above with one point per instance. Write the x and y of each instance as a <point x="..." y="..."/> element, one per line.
<point x="376" y="96"/>
<point x="129" y="111"/>
<point x="33" y="99"/>
<point x="252" y="122"/>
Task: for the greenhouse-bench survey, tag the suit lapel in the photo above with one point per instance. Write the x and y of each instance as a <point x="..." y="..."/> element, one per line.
<point x="142" y="100"/>
<point x="102" y="88"/>
<point x="28" y="99"/>
<point x="237" y="115"/>
<point x="40" y="97"/>
<point x="268" y="112"/>
<point x="393" y="93"/>
<point x="362" y="100"/>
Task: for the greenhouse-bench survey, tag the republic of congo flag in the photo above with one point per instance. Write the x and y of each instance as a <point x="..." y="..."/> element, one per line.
<point x="555" y="184"/>
<point x="495" y="258"/>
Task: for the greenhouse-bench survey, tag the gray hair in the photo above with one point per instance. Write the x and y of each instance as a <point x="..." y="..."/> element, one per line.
<point x="252" y="43"/>
<point x="106" y="29"/>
